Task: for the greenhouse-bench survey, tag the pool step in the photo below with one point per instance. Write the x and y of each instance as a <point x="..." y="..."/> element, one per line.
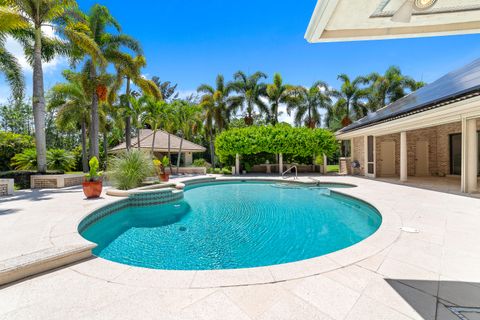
<point x="286" y="186"/>
<point x="26" y="265"/>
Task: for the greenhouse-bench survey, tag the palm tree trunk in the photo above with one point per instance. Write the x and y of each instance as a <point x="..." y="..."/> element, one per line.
<point x="138" y="138"/>
<point x="105" y="149"/>
<point x="84" y="147"/>
<point x="169" y="155"/>
<point x="94" y="126"/>
<point x="128" y="119"/>
<point x="153" y="140"/>
<point x="179" y="153"/>
<point x="212" y="149"/>
<point x="39" y="103"/>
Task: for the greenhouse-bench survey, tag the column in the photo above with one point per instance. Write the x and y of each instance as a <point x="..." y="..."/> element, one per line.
<point x="188" y="159"/>
<point x="237" y="164"/>
<point x="325" y="166"/>
<point x="403" y="156"/>
<point x="280" y="163"/>
<point x="469" y="155"/>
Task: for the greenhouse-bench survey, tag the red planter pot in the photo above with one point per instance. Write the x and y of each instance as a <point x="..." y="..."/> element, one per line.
<point x="92" y="189"/>
<point x="164" y="177"/>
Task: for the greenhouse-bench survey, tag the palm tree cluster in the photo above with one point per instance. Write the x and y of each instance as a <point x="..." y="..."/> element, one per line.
<point x="104" y="95"/>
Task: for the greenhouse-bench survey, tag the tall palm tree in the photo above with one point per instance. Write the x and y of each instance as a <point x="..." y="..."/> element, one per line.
<point x="352" y="96"/>
<point x="100" y="22"/>
<point x="251" y="90"/>
<point x="389" y="87"/>
<point x="136" y="111"/>
<point x="154" y="116"/>
<point x="218" y="106"/>
<point x="129" y="71"/>
<point x="39" y="13"/>
<point x="72" y="101"/>
<point x="188" y="119"/>
<point x="309" y="102"/>
<point x="279" y="93"/>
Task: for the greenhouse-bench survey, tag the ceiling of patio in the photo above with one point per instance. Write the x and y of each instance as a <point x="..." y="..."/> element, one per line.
<point x="345" y="20"/>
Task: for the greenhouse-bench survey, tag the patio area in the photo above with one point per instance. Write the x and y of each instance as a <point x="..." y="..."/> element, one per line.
<point x="422" y="275"/>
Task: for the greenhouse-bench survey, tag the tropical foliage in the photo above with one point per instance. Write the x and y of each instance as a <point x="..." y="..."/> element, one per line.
<point x="57" y="159"/>
<point x="129" y="169"/>
<point x="275" y="139"/>
<point x="10" y="144"/>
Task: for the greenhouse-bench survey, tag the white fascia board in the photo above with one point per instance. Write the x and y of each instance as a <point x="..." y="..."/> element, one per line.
<point x="447" y="114"/>
<point x="321" y="15"/>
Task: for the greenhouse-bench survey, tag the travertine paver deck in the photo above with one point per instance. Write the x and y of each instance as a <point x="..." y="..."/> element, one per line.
<point x="417" y="276"/>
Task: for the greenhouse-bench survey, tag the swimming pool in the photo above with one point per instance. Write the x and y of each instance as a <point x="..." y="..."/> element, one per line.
<point x="233" y="225"/>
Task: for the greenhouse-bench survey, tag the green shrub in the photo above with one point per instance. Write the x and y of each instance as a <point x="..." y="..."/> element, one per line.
<point x="10" y="145"/>
<point x="57" y="159"/>
<point x="93" y="174"/>
<point x="129" y="169"/>
<point x="60" y="159"/>
<point x="200" y="163"/>
<point x="27" y="160"/>
<point x="226" y="170"/>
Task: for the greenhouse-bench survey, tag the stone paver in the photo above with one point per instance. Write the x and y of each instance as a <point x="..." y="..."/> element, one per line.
<point x="403" y="276"/>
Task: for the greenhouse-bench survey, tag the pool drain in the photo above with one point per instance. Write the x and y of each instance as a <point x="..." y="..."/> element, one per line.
<point x="182" y="229"/>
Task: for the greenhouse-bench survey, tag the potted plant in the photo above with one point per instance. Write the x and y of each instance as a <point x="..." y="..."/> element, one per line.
<point x="92" y="185"/>
<point x="160" y="166"/>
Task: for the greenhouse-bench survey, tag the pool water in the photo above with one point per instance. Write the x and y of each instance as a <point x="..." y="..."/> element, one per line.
<point x="234" y="225"/>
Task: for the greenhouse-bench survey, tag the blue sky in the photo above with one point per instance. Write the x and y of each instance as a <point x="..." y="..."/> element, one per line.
<point x="190" y="42"/>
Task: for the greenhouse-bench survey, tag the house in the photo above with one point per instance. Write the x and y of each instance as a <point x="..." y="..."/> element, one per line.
<point x="346" y="20"/>
<point x="432" y="132"/>
<point x="161" y="145"/>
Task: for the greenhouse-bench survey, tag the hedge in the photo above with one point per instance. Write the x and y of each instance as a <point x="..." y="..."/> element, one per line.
<point x="275" y="139"/>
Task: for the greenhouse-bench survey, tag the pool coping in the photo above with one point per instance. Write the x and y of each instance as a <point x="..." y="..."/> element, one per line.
<point x="387" y="234"/>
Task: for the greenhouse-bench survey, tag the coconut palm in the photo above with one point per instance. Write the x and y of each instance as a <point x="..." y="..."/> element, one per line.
<point x="308" y="103"/>
<point x="251" y="90"/>
<point x="72" y="102"/>
<point x="38" y="48"/>
<point x="352" y="96"/>
<point x="136" y="111"/>
<point x="279" y="93"/>
<point x="129" y="71"/>
<point x="188" y="119"/>
<point x="389" y="87"/>
<point x="154" y="116"/>
<point x="100" y="22"/>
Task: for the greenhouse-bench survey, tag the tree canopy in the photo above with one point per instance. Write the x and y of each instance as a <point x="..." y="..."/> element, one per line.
<point x="275" y="139"/>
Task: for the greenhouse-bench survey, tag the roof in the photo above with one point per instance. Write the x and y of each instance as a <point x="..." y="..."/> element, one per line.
<point x="347" y="20"/>
<point x="161" y="142"/>
<point x="457" y="85"/>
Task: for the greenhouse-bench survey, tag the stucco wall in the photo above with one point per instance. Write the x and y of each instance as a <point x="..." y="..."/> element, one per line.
<point x="359" y="153"/>
<point x="439" y="148"/>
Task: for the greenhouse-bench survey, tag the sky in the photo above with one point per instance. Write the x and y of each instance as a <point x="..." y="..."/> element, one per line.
<point x="190" y="42"/>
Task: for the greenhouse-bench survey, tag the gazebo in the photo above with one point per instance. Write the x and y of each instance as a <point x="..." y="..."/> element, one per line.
<point x="160" y="146"/>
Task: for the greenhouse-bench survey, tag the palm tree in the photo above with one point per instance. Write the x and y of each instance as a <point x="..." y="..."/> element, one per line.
<point x="154" y="115"/>
<point x="251" y="90"/>
<point x="308" y="102"/>
<point x="129" y="69"/>
<point x="9" y="65"/>
<point x="36" y="14"/>
<point x="389" y="87"/>
<point x="188" y="119"/>
<point x="136" y="111"/>
<point x="99" y="20"/>
<point x="352" y="96"/>
<point x="218" y="107"/>
<point x="73" y="101"/>
<point x="279" y="93"/>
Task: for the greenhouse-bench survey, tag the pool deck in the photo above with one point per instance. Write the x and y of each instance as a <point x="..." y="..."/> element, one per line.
<point x="391" y="275"/>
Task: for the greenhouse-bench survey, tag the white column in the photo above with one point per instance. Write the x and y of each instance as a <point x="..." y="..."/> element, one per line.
<point x="188" y="158"/>
<point x="469" y="155"/>
<point x="237" y="164"/>
<point x="403" y="156"/>
<point x="325" y="168"/>
<point x="280" y="163"/>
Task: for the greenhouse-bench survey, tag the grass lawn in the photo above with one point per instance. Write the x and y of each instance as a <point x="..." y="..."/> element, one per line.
<point x="332" y="168"/>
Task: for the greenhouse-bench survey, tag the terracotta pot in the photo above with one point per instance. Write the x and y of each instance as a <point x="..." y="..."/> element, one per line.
<point x="92" y="189"/>
<point x="164" y="177"/>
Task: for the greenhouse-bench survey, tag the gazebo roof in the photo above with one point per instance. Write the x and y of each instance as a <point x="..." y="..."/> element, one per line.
<point x="161" y="143"/>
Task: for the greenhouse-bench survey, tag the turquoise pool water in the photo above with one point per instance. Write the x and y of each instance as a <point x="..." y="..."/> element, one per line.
<point x="234" y="225"/>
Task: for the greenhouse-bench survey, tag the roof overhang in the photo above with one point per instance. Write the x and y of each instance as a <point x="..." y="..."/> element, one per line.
<point x="347" y="20"/>
<point x="453" y="112"/>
